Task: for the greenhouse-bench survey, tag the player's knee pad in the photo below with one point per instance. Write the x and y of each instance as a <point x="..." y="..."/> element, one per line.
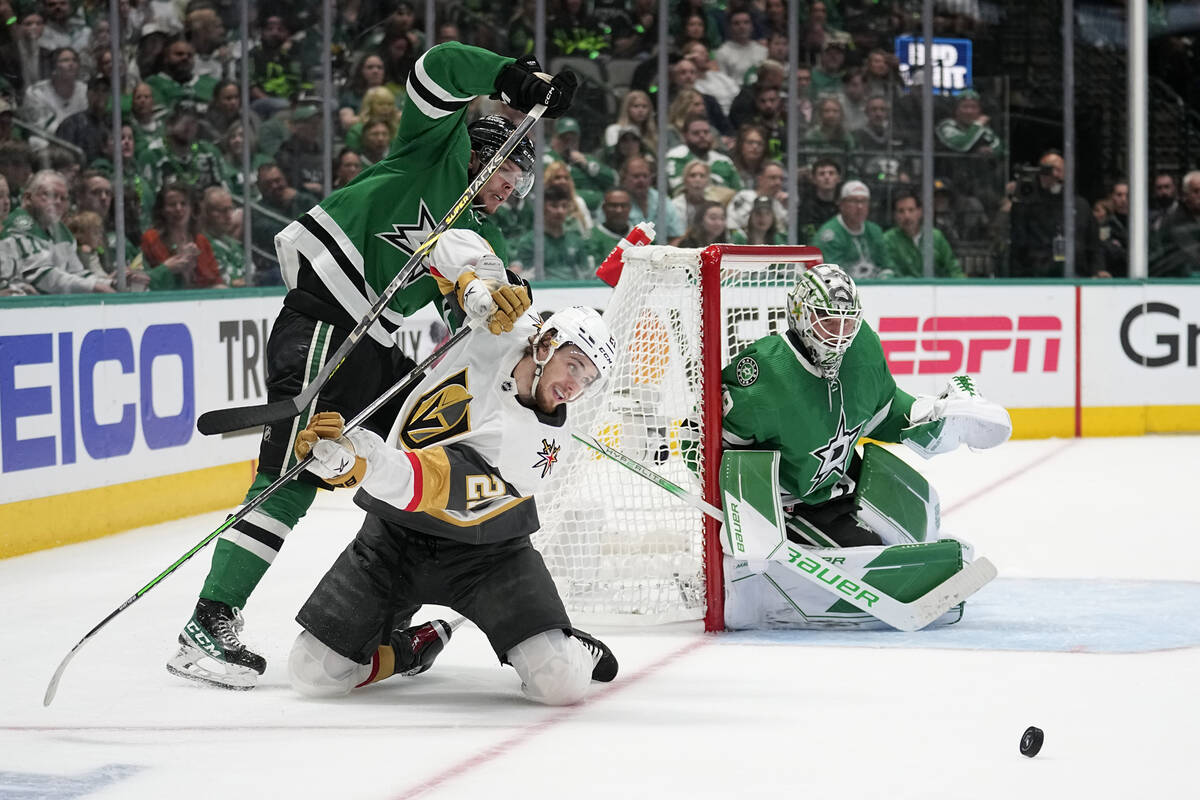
<point x="317" y="671"/>
<point x="555" y="669"/>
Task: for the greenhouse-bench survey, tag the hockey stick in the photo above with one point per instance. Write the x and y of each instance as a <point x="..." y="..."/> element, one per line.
<point x="254" y="503"/>
<point x="851" y="587"/>
<point x="223" y="420"/>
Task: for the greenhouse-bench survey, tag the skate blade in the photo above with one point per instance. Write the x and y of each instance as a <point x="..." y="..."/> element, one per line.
<point x="187" y="663"/>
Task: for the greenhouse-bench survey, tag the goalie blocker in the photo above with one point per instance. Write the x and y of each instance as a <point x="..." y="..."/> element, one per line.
<point x="762" y="586"/>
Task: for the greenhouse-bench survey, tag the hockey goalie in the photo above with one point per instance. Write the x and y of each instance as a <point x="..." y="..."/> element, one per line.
<point x="795" y="406"/>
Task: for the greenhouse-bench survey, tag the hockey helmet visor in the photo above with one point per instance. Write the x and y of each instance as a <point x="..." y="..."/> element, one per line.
<point x="489" y="134"/>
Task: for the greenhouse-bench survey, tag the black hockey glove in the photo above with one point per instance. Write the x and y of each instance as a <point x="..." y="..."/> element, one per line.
<point x="523" y="85"/>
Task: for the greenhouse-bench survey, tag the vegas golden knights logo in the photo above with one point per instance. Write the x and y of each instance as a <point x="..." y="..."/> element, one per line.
<point x="441" y="413"/>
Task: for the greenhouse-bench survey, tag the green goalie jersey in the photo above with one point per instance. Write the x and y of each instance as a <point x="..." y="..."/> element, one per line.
<point x="350" y="246"/>
<point x="776" y="399"/>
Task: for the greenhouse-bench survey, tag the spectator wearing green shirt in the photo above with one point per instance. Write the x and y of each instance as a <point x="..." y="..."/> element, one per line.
<point x="565" y="252"/>
<point x="216" y="224"/>
<point x="592" y="179"/>
<point x="905" y="250"/>
<point x="181" y="155"/>
<point x="176" y="81"/>
<point x="827" y="74"/>
<point x="698" y="146"/>
<point x="852" y="241"/>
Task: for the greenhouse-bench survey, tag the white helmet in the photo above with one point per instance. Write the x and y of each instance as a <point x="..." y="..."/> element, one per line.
<point x="824" y="311"/>
<point x="582" y="327"/>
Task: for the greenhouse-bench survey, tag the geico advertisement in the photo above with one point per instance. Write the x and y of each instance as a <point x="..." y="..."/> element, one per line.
<point x="1018" y="342"/>
<point x="1140" y="345"/>
<point x="95" y="395"/>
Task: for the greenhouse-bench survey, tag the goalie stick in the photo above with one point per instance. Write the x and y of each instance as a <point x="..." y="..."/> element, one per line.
<point x="806" y="562"/>
<point x="224" y="420"/>
<point x="254" y="503"/>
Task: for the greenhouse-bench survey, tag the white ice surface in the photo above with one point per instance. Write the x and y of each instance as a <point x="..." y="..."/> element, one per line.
<point x="1090" y="633"/>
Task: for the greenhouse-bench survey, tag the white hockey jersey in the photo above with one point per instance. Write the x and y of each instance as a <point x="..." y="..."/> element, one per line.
<point x="478" y="455"/>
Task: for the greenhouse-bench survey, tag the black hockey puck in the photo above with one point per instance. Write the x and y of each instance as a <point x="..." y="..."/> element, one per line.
<point x="1031" y="741"/>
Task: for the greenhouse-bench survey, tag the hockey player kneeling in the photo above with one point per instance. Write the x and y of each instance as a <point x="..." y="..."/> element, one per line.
<point x="807" y="397"/>
<point x="450" y="507"/>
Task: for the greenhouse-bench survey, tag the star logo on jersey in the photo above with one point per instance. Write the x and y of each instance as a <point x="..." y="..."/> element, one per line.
<point x="547" y="457"/>
<point x="835" y="453"/>
<point x="747" y="371"/>
<point x="407" y="238"/>
<point x="440" y="414"/>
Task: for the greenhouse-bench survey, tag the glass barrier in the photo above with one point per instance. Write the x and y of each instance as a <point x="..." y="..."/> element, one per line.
<point x="230" y="126"/>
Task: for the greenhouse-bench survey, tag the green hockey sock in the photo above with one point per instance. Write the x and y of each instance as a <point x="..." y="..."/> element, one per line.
<point x="247" y="549"/>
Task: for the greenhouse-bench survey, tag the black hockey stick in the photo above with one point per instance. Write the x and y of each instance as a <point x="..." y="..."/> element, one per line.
<point x="398" y="387"/>
<point x="224" y="420"/>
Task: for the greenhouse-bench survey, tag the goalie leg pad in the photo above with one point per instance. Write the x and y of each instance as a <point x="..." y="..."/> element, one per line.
<point x="316" y="671"/>
<point x="778" y="598"/>
<point x="555" y="669"/>
<point x="895" y="501"/>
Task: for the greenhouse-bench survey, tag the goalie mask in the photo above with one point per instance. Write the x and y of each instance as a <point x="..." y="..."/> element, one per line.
<point x="488" y="134"/>
<point x="824" y="311"/>
<point x="584" y="328"/>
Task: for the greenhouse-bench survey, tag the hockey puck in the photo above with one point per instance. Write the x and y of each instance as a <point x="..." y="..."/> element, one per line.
<point x="1031" y="741"/>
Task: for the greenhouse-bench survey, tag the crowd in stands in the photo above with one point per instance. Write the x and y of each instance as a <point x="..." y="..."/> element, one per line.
<point x="856" y="194"/>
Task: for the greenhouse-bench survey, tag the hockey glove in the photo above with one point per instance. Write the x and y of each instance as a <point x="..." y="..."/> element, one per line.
<point x="490" y="302"/>
<point x="965" y="416"/>
<point x="340" y="459"/>
<point x="523" y="85"/>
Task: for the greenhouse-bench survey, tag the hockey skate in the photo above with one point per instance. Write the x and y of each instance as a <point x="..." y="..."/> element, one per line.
<point x="418" y="646"/>
<point x="211" y="652"/>
<point x="604" y="663"/>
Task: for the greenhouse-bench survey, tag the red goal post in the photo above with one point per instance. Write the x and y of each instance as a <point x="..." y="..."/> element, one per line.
<point x="621" y="549"/>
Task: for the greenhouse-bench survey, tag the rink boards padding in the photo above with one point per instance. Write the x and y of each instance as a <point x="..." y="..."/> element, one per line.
<point x="99" y="395"/>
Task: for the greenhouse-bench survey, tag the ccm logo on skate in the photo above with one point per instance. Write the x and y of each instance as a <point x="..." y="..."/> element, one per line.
<point x="832" y="577"/>
<point x="201" y="638"/>
<point x="958" y="344"/>
<point x="84" y="386"/>
<point x="1169" y="341"/>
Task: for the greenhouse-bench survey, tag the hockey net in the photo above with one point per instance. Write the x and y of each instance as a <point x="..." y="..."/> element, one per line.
<point x="621" y="549"/>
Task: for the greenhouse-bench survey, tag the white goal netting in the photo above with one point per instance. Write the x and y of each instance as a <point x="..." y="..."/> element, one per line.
<point x="620" y="548"/>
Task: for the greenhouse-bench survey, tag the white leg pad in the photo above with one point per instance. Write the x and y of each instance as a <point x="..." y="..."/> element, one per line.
<point x="555" y="669"/>
<point x="317" y="671"/>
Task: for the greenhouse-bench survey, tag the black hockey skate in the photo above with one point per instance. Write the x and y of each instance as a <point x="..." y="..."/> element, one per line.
<point x="418" y="646"/>
<point x="211" y="652"/>
<point x="604" y="663"/>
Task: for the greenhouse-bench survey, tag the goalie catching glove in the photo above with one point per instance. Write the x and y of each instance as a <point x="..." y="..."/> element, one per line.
<point x="523" y="85"/>
<point x="490" y="302"/>
<point x="964" y="417"/>
<point x="339" y="458"/>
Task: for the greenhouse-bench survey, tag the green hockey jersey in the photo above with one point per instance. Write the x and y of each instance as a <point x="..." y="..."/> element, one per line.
<point x="356" y="240"/>
<point x="776" y="399"/>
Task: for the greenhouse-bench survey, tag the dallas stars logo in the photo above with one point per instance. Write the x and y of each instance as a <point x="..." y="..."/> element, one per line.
<point x="834" y="454"/>
<point x="407" y="238"/>
<point x="548" y="457"/>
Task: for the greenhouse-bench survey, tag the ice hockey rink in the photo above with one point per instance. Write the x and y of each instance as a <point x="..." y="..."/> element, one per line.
<point x="1091" y="632"/>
